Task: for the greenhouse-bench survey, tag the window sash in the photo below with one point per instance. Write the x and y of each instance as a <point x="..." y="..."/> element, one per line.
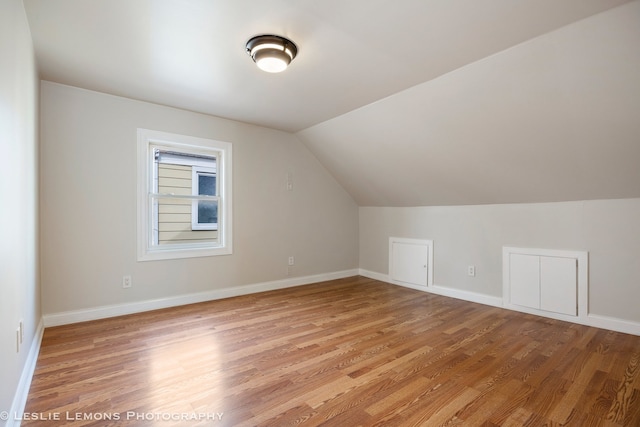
<point x="154" y="232"/>
<point x="196" y="173"/>
<point x="184" y="196"/>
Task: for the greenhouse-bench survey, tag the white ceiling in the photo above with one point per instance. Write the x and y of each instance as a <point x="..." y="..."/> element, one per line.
<point x="405" y="102"/>
<point x="190" y="53"/>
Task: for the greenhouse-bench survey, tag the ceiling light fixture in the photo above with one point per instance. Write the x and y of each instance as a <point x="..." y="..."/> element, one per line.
<point x="271" y="53"/>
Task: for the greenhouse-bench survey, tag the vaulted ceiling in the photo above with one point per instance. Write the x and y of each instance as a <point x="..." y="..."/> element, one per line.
<point x="405" y="102"/>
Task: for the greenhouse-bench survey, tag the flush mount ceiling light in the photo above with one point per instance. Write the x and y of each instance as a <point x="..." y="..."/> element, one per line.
<point x="271" y="53"/>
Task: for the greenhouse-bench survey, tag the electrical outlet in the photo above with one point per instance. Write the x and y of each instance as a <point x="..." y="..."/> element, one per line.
<point x="471" y="270"/>
<point x="291" y="261"/>
<point x="126" y="282"/>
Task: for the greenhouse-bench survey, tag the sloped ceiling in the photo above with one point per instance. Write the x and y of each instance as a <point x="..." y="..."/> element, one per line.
<point x="406" y="102"/>
<point x="554" y="119"/>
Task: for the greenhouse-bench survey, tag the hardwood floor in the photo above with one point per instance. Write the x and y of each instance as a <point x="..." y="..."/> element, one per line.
<point x="348" y="352"/>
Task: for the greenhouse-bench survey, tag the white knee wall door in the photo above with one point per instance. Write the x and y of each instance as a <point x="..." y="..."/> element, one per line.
<point x="545" y="282"/>
<point x="411" y="262"/>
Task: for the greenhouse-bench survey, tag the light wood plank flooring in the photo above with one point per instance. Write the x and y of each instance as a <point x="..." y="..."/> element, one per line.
<point x="348" y="352"/>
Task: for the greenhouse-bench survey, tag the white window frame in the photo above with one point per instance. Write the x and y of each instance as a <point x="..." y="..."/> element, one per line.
<point x="196" y="172"/>
<point x="148" y="249"/>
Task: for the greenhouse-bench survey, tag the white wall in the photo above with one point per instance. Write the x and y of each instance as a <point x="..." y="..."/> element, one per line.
<point x="19" y="289"/>
<point x="89" y="206"/>
<point x="474" y="235"/>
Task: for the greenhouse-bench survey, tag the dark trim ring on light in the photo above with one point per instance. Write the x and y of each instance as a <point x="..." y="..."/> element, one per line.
<point x="271" y="53"/>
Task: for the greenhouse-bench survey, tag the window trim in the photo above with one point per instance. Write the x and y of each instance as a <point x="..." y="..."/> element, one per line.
<point x="147" y="141"/>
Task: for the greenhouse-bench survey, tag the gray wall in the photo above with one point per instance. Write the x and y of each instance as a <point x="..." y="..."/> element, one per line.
<point x="19" y="288"/>
<point x="474" y="235"/>
<point x="89" y="208"/>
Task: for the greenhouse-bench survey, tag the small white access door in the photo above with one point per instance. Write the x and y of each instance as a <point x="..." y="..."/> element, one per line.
<point x="525" y="280"/>
<point x="559" y="285"/>
<point x="410" y="261"/>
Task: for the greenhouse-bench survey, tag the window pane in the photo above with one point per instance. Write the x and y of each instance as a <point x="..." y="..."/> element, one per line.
<point x="207" y="212"/>
<point x="206" y="185"/>
<point x="173" y="223"/>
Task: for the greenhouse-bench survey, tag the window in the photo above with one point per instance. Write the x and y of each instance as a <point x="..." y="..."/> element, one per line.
<point x="184" y="196"/>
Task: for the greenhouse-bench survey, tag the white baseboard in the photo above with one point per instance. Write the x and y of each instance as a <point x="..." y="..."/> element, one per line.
<point x="439" y="290"/>
<point x="375" y="276"/>
<point x="75" y="316"/>
<point x="613" y="324"/>
<point x="595" y="320"/>
<point x="22" y="392"/>
<point x="467" y="296"/>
